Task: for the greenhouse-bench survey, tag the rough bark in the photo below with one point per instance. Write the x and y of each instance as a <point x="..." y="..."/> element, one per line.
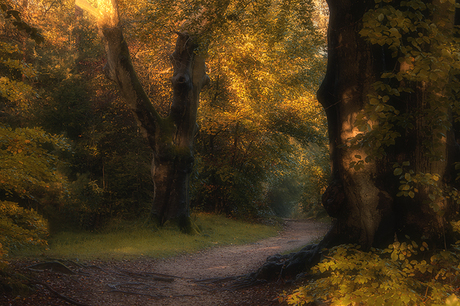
<point x="170" y="138"/>
<point x="353" y="65"/>
<point x="364" y="203"/>
<point x="173" y="159"/>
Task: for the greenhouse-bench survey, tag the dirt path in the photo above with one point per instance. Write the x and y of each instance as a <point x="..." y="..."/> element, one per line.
<point x="178" y="281"/>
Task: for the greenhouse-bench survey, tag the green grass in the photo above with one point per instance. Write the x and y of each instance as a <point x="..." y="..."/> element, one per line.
<point x="124" y="240"/>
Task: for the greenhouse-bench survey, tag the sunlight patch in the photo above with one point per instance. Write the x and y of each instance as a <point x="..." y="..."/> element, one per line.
<point x="105" y="13"/>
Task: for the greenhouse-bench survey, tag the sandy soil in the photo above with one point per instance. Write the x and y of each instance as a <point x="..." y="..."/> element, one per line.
<point x="196" y="279"/>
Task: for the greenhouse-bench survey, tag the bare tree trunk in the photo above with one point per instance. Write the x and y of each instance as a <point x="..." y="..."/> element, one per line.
<point x="170" y="138"/>
<point x="364" y="202"/>
<point x="353" y="197"/>
<point x="173" y="160"/>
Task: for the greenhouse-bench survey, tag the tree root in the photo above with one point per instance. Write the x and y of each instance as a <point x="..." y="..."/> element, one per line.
<point x="244" y="283"/>
<point x="150" y="275"/>
<point x="63" y="297"/>
<point x="216" y="280"/>
<point x="54" y="266"/>
<point x="99" y="268"/>
<point x="127" y="284"/>
<point x="156" y="296"/>
<point x="276" y="268"/>
<point x="212" y="284"/>
<point x="280" y="268"/>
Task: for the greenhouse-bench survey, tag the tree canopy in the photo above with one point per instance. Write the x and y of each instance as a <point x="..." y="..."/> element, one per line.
<point x="264" y="60"/>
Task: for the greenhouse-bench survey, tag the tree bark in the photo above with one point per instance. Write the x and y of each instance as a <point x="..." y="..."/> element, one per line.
<point x="364" y="202"/>
<point x="170" y="138"/>
<point x="173" y="159"/>
<point x="353" y="66"/>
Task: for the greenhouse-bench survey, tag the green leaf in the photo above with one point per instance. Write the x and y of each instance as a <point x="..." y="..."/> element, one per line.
<point x="404" y="187"/>
<point x="379" y="108"/>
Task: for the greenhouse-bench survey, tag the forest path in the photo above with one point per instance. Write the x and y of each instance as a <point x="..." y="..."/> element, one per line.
<point x="183" y="280"/>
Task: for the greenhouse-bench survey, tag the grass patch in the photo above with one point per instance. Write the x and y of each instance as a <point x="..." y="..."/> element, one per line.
<point x="127" y="240"/>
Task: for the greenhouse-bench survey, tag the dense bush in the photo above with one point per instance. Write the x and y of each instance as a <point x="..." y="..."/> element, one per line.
<point x="29" y="176"/>
<point x="403" y="274"/>
<point x="19" y="227"/>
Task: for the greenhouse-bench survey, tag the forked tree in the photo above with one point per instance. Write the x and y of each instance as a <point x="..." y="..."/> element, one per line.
<point x="172" y="137"/>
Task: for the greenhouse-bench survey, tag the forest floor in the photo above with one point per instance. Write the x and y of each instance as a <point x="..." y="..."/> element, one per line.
<point x="204" y="278"/>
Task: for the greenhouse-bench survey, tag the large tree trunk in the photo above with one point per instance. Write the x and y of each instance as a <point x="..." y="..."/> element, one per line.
<point x="170" y="138"/>
<point x="364" y="202"/>
<point x="353" y="197"/>
<point x="173" y="158"/>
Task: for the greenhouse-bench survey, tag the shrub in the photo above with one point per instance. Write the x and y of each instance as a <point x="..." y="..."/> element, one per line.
<point x="19" y="227"/>
<point x="403" y="274"/>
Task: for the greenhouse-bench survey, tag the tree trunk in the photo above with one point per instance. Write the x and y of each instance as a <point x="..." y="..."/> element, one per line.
<point x="364" y="202"/>
<point x="353" y="66"/>
<point x="173" y="159"/>
<point x="170" y="138"/>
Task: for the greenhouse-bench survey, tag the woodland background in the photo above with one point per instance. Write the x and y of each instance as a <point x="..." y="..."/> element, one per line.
<point x="73" y="156"/>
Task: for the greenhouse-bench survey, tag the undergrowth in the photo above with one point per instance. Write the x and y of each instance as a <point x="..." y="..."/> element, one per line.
<point x="123" y="240"/>
<point x="402" y="274"/>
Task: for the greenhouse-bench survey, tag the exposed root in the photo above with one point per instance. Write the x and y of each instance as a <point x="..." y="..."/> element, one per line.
<point x="156" y="296"/>
<point x="62" y="297"/>
<point x="244" y="283"/>
<point x="216" y="280"/>
<point x="282" y="267"/>
<point x="97" y="267"/>
<point x="149" y="275"/>
<point x="54" y="266"/>
<point x="215" y="283"/>
<point x="127" y="284"/>
<point x="279" y="268"/>
<point x="125" y="287"/>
